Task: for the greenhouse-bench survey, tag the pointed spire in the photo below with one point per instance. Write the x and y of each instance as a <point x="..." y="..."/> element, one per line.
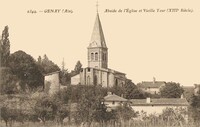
<point x="63" y="64"/>
<point x="97" y="39"/>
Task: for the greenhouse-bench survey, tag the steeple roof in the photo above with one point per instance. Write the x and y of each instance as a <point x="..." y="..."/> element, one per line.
<point x="97" y="39"/>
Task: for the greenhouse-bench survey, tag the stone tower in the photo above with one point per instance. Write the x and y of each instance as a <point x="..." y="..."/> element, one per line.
<point x="97" y="49"/>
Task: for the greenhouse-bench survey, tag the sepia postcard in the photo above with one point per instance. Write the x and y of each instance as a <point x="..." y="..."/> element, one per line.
<point x="99" y="63"/>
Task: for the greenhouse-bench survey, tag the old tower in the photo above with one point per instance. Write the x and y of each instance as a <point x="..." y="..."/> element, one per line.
<point x="97" y="49"/>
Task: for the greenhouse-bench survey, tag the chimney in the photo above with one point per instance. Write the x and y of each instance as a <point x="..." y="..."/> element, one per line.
<point x="182" y="96"/>
<point x="148" y="100"/>
<point x="154" y="80"/>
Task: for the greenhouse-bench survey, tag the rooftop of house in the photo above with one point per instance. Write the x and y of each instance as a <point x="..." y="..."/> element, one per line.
<point x="112" y="97"/>
<point x="151" y="84"/>
<point x="160" y="101"/>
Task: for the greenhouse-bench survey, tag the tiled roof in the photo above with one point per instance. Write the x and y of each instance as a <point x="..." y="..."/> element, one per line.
<point x="113" y="97"/>
<point x="156" y="84"/>
<point x="161" y="101"/>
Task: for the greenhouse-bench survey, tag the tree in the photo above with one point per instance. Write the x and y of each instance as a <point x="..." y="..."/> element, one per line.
<point x="5" y="115"/>
<point x="174" y="116"/>
<point x="45" y="108"/>
<point x="54" y="107"/>
<point x="9" y="115"/>
<point x="63" y="65"/>
<point x="196" y="108"/>
<point x="118" y="90"/>
<point x="125" y="113"/>
<point x="61" y="101"/>
<point x="75" y="92"/>
<point x="77" y="70"/>
<point x="129" y="91"/>
<point x="39" y="60"/>
<point x="89" y="104"/>
<point x="132" y="91"/>
<point x="171" y="90"/>
<point x="103" y="116"/>
<point x="25" y="68"/>
<point x="8" y="82"/>
<point x="14" y="108"/>
<point x="64" y="75"/>
<point x="78" y="67"/>
<point x="46" y="65"/>
<point x="4" y="47"/>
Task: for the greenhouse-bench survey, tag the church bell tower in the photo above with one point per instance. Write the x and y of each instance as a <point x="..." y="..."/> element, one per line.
<point x="97" y="49"/>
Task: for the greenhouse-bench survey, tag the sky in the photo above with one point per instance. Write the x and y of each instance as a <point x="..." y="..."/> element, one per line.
<point x="164" y="45"/>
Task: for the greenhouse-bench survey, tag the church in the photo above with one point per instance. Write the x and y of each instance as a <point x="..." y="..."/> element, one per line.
<point x="97" y="72"/>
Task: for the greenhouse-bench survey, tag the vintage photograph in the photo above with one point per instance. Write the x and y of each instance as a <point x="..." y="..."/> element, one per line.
<point x="99" y="63"/>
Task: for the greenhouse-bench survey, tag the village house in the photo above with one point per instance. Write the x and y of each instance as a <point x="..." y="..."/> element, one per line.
<point x="97" y="72"/>
<point x="157" y="106"/>
<point x="148" y="106"/>
<point x="152" y="87"/>
<point x="112" y="101"/>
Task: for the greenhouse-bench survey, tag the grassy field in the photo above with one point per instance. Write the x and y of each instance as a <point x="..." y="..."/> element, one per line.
<point x="127" y="124"/>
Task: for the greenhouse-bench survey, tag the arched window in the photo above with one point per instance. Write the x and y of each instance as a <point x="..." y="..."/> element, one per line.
<point x="92" y="56"/>
<point x="96" y="56"/>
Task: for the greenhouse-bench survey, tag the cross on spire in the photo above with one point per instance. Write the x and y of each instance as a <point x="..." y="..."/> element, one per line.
<point x="97" y="6"/>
